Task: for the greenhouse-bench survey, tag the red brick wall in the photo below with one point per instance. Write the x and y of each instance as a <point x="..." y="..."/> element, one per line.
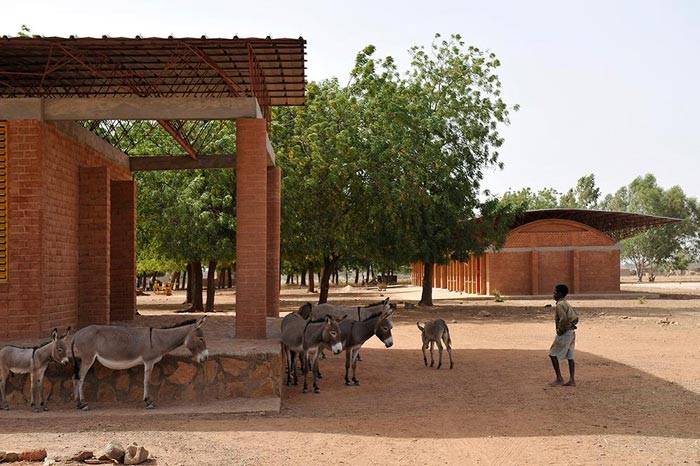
<point x="93" y="249"/>
<point x="44" y="278"/>
<point x="510" y="273"/>
<point x="122" y="250"/>
<point x="599" y="271"/>
<point x="21" y="296"/>
<point x="251" y="228"/>
<point x="273" y="241"/>
<point x="536" y="257"/>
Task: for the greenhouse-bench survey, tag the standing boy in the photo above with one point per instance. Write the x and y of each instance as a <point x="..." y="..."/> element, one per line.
<point x="564" y="344"/>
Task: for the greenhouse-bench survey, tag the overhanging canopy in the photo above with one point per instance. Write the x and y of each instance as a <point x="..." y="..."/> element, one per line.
<point x="270" y="69"/>
<point x="617" y="225"/>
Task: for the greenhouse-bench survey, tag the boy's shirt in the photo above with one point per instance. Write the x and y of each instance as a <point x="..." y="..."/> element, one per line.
<point x="565" y="317"/>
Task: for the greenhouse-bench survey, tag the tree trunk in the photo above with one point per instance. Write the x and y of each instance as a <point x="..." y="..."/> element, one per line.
<point x="190" y="284"/>
<point x="326" y="273"/>
<point x="183" y="279"/>
<point x="197" y="304"/>
<point x="175" y="280"/>
<point x="211" y="285"/>
<point x="229" y="277"/>
<point x="426" y="298"/>
<point x="347" y="277"/>
<point x="311" y="278"/>
<point x="303" y="278"/>
<point x="367" y="276"/>
<point x="357" y="275"/>
<point x="289" y="279"/>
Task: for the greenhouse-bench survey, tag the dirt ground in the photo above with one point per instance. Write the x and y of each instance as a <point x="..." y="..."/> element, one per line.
<point x="637" y="399"/>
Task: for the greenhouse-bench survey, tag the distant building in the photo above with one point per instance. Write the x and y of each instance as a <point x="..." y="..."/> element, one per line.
<point x="577" y="247"/>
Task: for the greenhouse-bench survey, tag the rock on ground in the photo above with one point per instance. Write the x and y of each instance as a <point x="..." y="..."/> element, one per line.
<point x="135" y="454"/>
<point x="113" y="451"/>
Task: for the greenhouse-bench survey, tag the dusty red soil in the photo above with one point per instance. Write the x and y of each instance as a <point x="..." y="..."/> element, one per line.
<point x="637" y="399"/>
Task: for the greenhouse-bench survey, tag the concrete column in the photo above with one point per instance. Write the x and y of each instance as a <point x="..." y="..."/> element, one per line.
<point x="273" y="241"/>
<point x="534" y="273"/>
<point x="251" y="230"/>
<point x="94" y="246"/>
<point x="122" y="297"/>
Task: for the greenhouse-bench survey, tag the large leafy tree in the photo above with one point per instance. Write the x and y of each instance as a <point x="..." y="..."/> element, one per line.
<point x="659" y="248"/>
<point x="585" y="195"/>
<point x="431" y="133"/>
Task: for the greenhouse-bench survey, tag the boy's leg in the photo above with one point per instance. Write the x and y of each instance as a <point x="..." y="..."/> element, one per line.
<point x="555" y="364"/>
<point x="572" y="370"/>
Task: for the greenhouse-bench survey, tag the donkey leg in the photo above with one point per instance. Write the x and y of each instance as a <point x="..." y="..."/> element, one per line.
<point x="147" y="368"/>
<point x="305" y="369"/>
<point x="439" y="345"/>
<point x="354" y="367"/>
<point x="432" y="361"/>
<point x="425" y="357"/>
<point x="313" y="363"/>
<point x="347" y="365"/>
<point x="32" y="390"/>
<point x="82" y="372"/>
<point x="3" y="381"/>
<point x="448" y="345"/>
<point x="42" y="393"/>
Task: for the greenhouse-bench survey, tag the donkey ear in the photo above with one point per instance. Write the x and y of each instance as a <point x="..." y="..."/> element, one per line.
<point x="200" y="322"/>
<point x="386" y="300"/>
<point x="67" y="332"/>
<point x="54" y="334"/>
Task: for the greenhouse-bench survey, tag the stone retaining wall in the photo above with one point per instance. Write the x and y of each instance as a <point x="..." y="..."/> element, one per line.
<point x="174" y="378"/>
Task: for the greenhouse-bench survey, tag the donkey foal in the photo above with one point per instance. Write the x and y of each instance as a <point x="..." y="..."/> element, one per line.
<point x="33" y="361"/>
<point x="434" y="332"/>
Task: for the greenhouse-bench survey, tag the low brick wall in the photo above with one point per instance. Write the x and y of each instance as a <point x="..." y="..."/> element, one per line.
<point x="174" y="379"/>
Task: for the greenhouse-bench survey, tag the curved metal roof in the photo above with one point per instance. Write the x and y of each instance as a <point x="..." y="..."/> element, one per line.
<point x="617" y="225"/>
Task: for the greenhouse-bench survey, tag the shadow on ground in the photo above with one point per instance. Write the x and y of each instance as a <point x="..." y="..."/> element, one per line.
<point x="488" y="393"/>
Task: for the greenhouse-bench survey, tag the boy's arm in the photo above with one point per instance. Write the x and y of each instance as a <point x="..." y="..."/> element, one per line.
<point x="560" y="319"/>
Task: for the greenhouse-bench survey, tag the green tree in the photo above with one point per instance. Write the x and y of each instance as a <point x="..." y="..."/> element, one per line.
<point x="585" y="195"/>
<point x="547" y="198"/>
<point x="430" y="134"/>
<point x="653" y="250"/>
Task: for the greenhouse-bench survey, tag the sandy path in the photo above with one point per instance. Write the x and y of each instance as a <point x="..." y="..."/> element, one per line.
<point x="638" y="400"/>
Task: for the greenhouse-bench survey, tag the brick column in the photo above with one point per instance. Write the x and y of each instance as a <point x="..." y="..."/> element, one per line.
<point x="94" y="245"/>
<point x="273" y="241"/>
<point x="122" y="297"/>
<point x="251" y="229"/>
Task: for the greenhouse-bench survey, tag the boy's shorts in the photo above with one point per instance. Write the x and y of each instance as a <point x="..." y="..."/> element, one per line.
<point x="564" y="346"/>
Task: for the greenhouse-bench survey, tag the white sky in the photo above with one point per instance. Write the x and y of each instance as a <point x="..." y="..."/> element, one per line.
<point x="609" y="87"/>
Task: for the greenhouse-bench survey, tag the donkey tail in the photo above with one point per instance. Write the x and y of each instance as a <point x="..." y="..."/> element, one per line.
<point x="419" y="327"/>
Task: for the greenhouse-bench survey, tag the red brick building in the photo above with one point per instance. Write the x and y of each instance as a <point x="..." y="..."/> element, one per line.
<point x="577" y="247"/>
<point x="67" y="194"/>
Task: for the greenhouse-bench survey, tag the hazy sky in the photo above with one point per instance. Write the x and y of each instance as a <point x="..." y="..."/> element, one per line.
<point x="609" y="87"/>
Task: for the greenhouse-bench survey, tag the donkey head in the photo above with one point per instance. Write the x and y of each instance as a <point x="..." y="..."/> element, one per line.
<point x="382" y="328"/>
<point x="59" y="351"/>
<point x="331" y="333"/>
<point x="195" y="341"/>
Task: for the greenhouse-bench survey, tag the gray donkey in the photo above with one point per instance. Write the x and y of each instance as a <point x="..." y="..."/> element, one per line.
<point x="352" y="312"/>
<point x="317" y="335"/>
<point x="355" y="333"/>
<point x="433" y="332"/>
<point x="125" y="347"/>
<point x="291" y="323"/>
<point x="34" y="361"/>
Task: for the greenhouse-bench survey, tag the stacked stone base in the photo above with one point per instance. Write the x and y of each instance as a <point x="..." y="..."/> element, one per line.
<point x="175" y="379"/>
